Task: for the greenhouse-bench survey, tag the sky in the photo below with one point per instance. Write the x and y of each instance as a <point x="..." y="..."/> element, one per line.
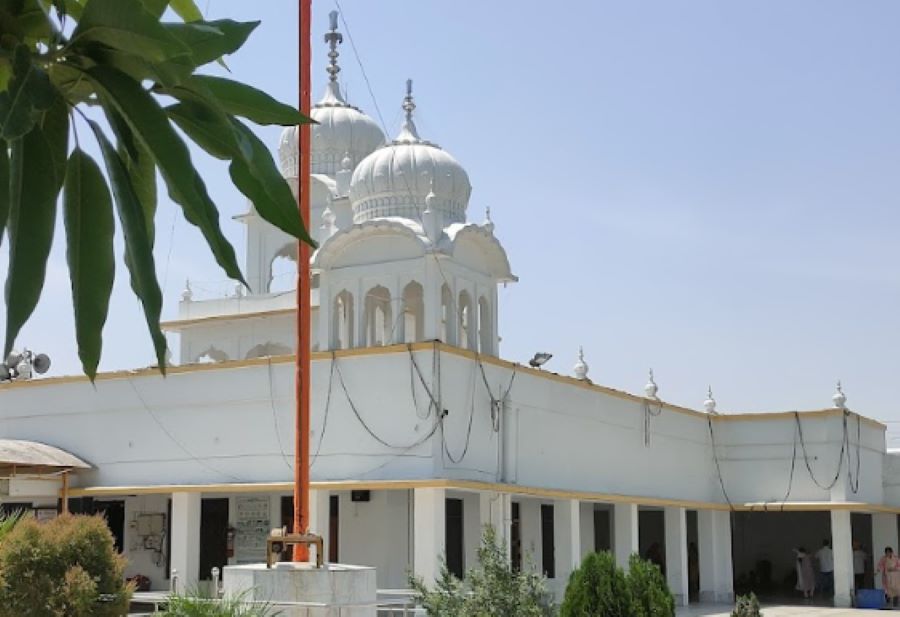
<point x="707" y="188"/>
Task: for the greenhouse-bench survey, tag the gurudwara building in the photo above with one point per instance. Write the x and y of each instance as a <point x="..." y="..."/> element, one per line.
<point x="421" y="432"/>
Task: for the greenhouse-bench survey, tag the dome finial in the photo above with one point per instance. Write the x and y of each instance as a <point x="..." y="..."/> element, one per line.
<point x="488" y="223"/>
<point x="710" y="403"/>
<point x="651" y="388"/>
<point x="581" y="367"/>
<point x="839" y="398"/>
<point x="333" y="38"/>
<point x="188" y="294"/>
<point x="408" y="132"/>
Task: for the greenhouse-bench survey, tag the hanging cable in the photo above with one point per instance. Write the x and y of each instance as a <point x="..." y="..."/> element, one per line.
<point x="715" y="453"/>
<point x="648" y="414"/>
<point x="465" y="450"/>
<point x="315" y="456"/>
<point x="787" y="493"/>
<point x="837" y="474"/>
<point x="176" y="441"/>
<point x="284" y="456"/>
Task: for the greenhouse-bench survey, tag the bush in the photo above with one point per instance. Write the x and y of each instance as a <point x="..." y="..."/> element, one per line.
<point x="649" y="590"/>
<point x="8" y="521"/>
<point x="598" y="588"/>
<point x="491" y="588"/>
<point x="196" y="605"/>
<point x="67" y="567"/>
<point x="746" y="606"/>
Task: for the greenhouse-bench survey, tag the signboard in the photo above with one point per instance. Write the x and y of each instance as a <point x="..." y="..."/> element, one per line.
<point x="252" y="529"/>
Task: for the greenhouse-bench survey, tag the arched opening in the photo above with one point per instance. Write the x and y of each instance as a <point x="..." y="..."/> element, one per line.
<point x="378" y="319"/>
<point x="466" y="329"/>
<point x="211" y="355"/>
<point x="342" y="321"/>
<point x="283" y="269"/>
<point x="413" y="321"/>
<point x="448" y="316"/>
<point x="268" y="349"/>
<point x="485" y="321"/>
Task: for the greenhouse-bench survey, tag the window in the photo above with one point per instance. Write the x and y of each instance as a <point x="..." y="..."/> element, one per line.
<point x="448" y="320"/>
<point x="466" y="329"/>
<point x="454" y="537"/>
<point x="413" y="313"/>
<point x="342" y="321"/>
<point x="485" y="322"/>
<point x="379" y="325"/>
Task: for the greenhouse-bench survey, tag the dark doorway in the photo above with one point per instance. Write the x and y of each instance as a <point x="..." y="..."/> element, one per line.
<point x="168" y="572"/>
<point x="213" y="535"/>
<point x="8" y="509"/>
<point x="456" y="562"/>
<point x="334" y="525"/>
<point x="861" y="526"/>
<point x="652" y="536"/>
<point x="515" y="538"/>
<point x="114" y="513"/>
<point x="602" y="529"/>
<point x="548" y="544"/>
<point x="693" y="556"/>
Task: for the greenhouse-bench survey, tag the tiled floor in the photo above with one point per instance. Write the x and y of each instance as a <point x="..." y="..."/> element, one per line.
<point x="776" y="611"/>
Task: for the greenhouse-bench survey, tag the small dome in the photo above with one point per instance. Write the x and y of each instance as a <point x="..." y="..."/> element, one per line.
<point x="343" y="131"/>
<point x="396" y="180"/>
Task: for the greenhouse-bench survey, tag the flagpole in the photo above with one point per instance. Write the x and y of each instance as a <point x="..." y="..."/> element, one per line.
<point x="302" y="378"/>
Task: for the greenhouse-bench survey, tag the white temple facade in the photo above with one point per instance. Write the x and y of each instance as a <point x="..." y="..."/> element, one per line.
<point x="421" y="432"/>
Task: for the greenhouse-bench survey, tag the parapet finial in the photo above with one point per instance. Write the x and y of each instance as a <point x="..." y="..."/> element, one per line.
<point x="333" y="38"/>
<point x="651" y="388"/>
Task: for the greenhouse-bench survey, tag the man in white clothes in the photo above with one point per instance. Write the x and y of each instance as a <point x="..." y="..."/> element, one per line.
<point x="825" y="557"/>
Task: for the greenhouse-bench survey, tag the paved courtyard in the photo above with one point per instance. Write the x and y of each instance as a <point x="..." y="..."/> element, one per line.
<point x="776" y="611"/>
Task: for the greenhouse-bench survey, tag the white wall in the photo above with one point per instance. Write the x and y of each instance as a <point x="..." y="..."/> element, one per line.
<point x="376" y="533"/>
<point x="141" y="560"/>
<point x="231" y="423"/>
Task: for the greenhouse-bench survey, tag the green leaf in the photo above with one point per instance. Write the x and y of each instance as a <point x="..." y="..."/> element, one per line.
<point x="151" y="126"/>
<point x="37" y="169"/>
<point x="186" y="10"/>
<point x="138" y="250"/>
<point x="88" y="216"/>
<point x="29" y="91"/>
<point x="4" y="187"/>
<point x="252" y="169"/>
<point x="126" y="25"/>
<point x="5" y="73"/>
<point x="169" y="73"/>
<point x="260" y="180"/>
<point x="210" y="40"/>
<point x="242" y="100"/>
<point x="156" y="7"/>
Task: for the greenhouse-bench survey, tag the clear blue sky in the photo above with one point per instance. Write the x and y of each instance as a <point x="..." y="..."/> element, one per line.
<point x="708" y="188"/>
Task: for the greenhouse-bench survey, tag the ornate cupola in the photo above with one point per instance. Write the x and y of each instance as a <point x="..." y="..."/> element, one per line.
<point x="342" y="130"/>
<point x="395" y="180"/>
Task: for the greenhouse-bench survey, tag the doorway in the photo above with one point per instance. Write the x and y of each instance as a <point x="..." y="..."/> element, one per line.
<point x="454" y="537"/>
<point x="213" y="535"/>
<point x="114" y="513"/>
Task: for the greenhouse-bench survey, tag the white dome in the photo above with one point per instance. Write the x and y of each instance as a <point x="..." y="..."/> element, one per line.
<point x="396" y="179"/>
<point x="342" y="130"/>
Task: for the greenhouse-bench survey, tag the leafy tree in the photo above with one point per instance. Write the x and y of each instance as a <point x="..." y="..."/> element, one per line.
<point x="598" y="588"/>
<point x="67" y="567"/>
<point x="492" y="589"/>
<point x="649" y="589"/>
<point x="59" y="57"/>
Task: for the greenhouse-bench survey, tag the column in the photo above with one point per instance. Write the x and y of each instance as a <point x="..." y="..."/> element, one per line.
<point x="429" y="532"/>
<point x="714" y="546"/>
<point x="625" y="530"/>
<point x="884" y="534"/>
<point x="842" y="546"/>
<point x="320" y="521"/>
<point x="185" y="530"/>
<point x="567" y="538"/>
<point x="496" y="511"/>
<point x="676" y="554"/>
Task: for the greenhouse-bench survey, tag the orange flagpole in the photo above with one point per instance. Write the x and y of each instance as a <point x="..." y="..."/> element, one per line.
<point x="302" y="381"/>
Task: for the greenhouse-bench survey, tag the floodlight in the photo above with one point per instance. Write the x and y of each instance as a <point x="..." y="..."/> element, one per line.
<point x="540" y="359"/>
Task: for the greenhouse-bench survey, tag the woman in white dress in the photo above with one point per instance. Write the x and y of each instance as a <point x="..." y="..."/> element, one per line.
<point x="806" y="576"/>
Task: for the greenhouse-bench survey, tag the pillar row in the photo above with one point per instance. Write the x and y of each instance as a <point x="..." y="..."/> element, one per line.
<point x="185" y="530"/>
<point x="714" y="547"/>
<point x="676" y="554"/>
<point x="429" y="532"/>
<point x="625" y="532"/>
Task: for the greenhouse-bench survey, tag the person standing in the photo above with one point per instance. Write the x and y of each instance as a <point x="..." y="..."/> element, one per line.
<point x="889" y="566"/>
<point x="859" y="566"/>
<point x="806" y="576"/>
<point x="825" y="557"/>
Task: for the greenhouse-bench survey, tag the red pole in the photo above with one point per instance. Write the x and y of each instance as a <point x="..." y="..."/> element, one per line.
<point x="301" y="445"/>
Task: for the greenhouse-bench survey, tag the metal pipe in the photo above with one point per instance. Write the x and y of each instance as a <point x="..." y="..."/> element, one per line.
<point x="304" y="345"/>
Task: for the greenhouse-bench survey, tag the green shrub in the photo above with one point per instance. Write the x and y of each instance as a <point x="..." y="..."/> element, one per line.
<point x="649" y="590"/>
<point x="598" y="588"/>
<point x="8" y="521"/>
<point x="195" y="604"/>
<point x="67" y="567"/>
<point x="746" y="606"/>
<point x="491" y="589"/>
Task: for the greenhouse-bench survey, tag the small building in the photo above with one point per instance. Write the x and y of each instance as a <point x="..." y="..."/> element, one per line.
<point x="421" y="432"/>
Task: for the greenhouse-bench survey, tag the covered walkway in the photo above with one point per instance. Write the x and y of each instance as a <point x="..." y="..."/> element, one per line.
<point x="775" y="611"/>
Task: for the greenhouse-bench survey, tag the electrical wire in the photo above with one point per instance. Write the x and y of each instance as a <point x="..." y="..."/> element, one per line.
<point x="284" y="456"/>
<point x="315" y="455"/>
<point x="837" y="473"/>
<point x="649" y="413"/>
<point x="176" y="441"/>
<point x="715" y="453"/>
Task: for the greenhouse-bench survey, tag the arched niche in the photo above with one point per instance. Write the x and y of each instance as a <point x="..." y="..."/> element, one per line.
<point x="378" y="317"/>
<point x="448" y="316"/>
<point x="342" y="315"/>
<point x="283" y="269"/>
<point x="485" y="327"/>
<point x="466" y="320"/>
<point x="210" y="355"/>
<point x="413" y="322"/>
<point x="268" y="349"/>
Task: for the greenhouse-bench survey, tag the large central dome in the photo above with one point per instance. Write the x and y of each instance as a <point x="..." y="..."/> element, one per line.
<point x="396" y="179"/>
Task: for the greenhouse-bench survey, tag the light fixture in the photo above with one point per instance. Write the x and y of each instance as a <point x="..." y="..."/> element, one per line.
<point x="540" y="359"/>
<point x="23" y="365"/>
